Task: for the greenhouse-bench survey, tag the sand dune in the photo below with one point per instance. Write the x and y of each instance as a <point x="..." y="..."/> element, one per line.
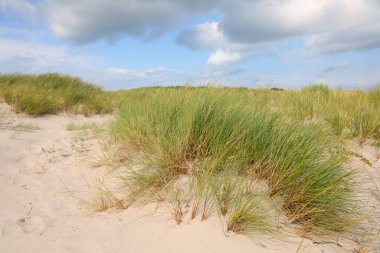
<point x="43" y="172"/>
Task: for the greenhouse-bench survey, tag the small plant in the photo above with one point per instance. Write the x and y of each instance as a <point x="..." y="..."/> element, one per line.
<point x="176" y="202"/>
<point x="105" y="198"/>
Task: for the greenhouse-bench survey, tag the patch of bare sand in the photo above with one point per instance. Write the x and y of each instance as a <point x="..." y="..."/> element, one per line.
<point x="39" y="169"/>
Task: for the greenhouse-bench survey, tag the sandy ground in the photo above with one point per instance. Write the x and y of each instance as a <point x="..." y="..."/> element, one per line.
<point x="39" y="170"/>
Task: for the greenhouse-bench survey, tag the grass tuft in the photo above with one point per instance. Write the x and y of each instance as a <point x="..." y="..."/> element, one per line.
<point x="208" y="133"/>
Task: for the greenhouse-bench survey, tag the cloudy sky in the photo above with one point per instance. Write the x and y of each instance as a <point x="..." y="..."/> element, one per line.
<point x="131" y="43"/>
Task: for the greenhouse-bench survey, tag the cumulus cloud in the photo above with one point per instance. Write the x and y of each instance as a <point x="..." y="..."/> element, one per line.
<point x="86" y="21"/>
<point x="327" y="26"/>
<point x="239" y="31"/>
<point x="257" y="21"/>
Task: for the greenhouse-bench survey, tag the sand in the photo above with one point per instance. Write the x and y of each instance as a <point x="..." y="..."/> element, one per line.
<point x="44" y="172"/>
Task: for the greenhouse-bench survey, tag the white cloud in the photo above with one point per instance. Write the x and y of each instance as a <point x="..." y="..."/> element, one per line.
<point x="202" y="36"/>
<point x="85" y="21"/>
<point x="327" y="26"/>
<point x="223" y="58"/>
<point x="242" y="30"/>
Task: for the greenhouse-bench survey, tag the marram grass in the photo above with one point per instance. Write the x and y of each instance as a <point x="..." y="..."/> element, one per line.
<point x="221" y="138"/>
<point x="210" y="133"/>
<point x="350" y="114"/>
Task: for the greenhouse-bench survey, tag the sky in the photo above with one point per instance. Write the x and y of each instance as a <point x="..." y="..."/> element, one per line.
<point x="254" y="43"/>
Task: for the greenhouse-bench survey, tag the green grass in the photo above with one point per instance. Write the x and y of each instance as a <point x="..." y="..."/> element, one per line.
<point x="222" y="142"/>
<point x="52" y="93"/>
<point x="251" y="211"/>
<point x="350" y="114"/>
<point x="207" y="133"/>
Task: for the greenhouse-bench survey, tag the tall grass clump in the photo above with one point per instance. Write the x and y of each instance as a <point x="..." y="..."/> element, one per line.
<point x="52" y="93"/>
<point x="211" y="133"/>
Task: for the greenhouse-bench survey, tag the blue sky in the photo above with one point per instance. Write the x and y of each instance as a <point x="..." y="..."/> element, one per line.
<point x="132" y="43"/>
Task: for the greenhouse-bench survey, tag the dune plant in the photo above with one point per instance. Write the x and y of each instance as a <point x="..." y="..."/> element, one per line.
<point x="52" y="93"/>
<point x="177" y="201"/>
<point x="182" y="132"/>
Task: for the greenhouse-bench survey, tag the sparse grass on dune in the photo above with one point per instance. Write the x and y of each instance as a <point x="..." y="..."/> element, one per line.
<point x="206" y="133"/>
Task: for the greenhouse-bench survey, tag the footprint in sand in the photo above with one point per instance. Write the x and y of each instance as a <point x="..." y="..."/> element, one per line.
<point x="32" y="225"/>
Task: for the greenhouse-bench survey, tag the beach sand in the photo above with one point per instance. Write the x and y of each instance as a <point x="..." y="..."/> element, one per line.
<point x="43" y="182"/>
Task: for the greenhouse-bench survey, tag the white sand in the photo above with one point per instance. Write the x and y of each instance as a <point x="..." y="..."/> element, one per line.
<point x="38" y="215"/>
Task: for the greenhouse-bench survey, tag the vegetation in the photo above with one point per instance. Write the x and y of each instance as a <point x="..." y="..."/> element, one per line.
<point x="248" y="154"/>
<point x="348" y="114"/>
<point x="211" y="135"/>
<point x="52" y="93"/>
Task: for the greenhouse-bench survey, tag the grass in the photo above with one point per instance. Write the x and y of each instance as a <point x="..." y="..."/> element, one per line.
<point x="208" y="133"/>
<point x="176" y="202"/>
<point x="52" y="93"/>
<point x="223" y="142"/>
<point x="348" y="113"/>
<point x="250" y="211"/>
